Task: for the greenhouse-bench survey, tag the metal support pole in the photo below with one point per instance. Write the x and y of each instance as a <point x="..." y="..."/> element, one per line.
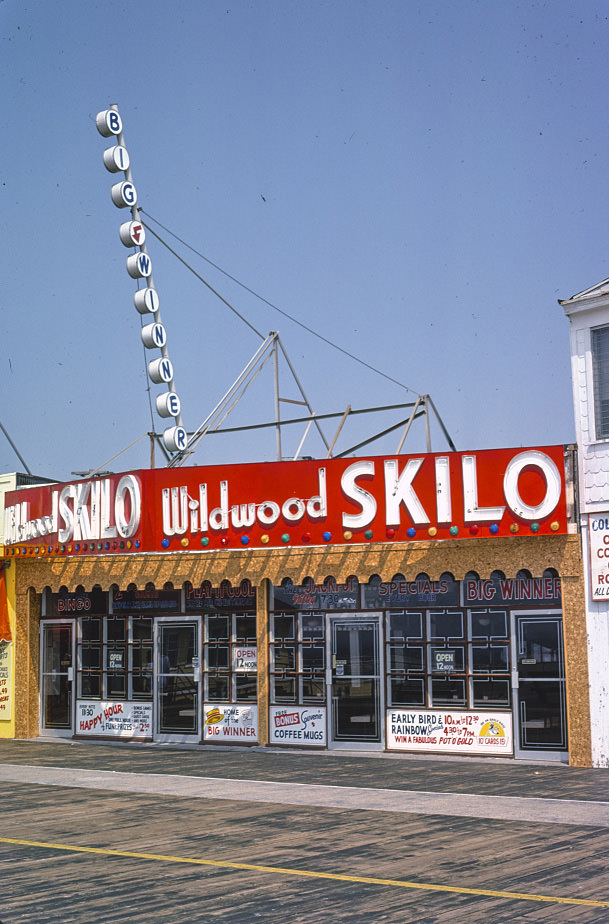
<point x="427" y="427"/>
<point x="302" y="392"/>
<point x="336" y="435"/>
<point x="304" y="436"/>
<point x="21" y="459"/>
<point x="441" y="422"/>
<point x="408" y="425"/>
<point x="277" y="405"/>
<point x="152" y="437"/>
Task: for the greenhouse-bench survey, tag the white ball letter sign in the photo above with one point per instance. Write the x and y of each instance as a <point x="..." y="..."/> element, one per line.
<point x="139" y="266"/>
<point x="132" y="234"/>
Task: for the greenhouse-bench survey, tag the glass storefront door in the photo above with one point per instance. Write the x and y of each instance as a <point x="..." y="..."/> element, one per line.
<point x="178" y="679"/>
<point x="57" y="678"/>
<point x="354" y="680"/>
<point x="540" y="694"/>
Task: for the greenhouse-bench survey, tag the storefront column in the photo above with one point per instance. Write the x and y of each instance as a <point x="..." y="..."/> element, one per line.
<point x="262" y="623"/>
<point x="27" y="657"/>
<point x="576" y="671"/>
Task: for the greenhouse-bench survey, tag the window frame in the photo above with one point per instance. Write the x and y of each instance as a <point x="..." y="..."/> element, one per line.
<point x="467" y="675"/>
<point x="599" y="354"/>
<point x="238" y="684"/>
<point x="103" y="645"/>
<point x="309" y="635"/>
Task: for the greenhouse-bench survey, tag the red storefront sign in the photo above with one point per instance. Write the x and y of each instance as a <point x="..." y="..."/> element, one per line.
<point x="488" y="493"/>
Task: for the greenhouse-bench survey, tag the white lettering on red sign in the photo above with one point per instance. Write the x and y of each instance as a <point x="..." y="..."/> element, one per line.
<point x="181" y="511"/>
<point x="291" y="718"/>
<point x="82" y="511"/>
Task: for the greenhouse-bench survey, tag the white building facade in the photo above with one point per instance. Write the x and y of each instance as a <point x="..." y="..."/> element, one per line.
<point x="588" y="314"/>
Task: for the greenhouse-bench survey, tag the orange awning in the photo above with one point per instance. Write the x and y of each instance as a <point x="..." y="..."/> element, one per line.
<point x="5" y="629"/>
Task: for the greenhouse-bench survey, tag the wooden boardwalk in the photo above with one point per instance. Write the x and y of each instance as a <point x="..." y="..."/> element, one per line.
<point x="46" y="882"/>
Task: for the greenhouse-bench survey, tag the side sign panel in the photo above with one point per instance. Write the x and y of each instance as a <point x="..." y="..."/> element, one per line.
<point x="488" y="733"/>
<point x="304" y="726"/>
<point x="114" y="719"/>
<point x="226" y="723"/>
<point x="598" y="531"/>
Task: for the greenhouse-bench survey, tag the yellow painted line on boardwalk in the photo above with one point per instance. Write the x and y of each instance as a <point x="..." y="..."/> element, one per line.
<point x="311" y="874"/>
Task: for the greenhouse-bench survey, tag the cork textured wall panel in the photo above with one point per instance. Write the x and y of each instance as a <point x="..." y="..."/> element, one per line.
<point x="457" y="557"/>
<point x="534" y="554"/>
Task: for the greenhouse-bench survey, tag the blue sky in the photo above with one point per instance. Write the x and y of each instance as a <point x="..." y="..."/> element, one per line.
<point x="418" y="182"/>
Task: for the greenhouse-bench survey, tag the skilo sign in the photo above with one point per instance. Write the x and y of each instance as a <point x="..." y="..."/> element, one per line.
<point x="102" y="509"/>
<point x="139" y="266"/>
<point x="485" y="494"/>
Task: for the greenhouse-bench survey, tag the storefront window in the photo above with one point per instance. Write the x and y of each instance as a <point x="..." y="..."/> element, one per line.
<point x="491" y="692"/>
<point x="89" y="658"/>
<point x="490" y="657"/>
<point x="298" y="658"/>
<point x="116" y="661"/>
<point x="218" y="688"/>
<point x="448" y="692"/>
<point x="245" y="629"/>
<point x="218" y="629"/>
<point x="114" y="657"/>
<point x="230" y="658"/>
<point x="451" y="657"/>
<point x="406" y="625"/>
<point x="406" y="657"/>
<point x="489" y="624"/>
<point x="246" y="687"/>
<point x="446" y="624"/>
<point x="141" y="660"/>
<point x="407" y="692"/>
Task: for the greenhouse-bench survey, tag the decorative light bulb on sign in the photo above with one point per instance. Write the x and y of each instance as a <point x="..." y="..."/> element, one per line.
<point x="139" y="266"/>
